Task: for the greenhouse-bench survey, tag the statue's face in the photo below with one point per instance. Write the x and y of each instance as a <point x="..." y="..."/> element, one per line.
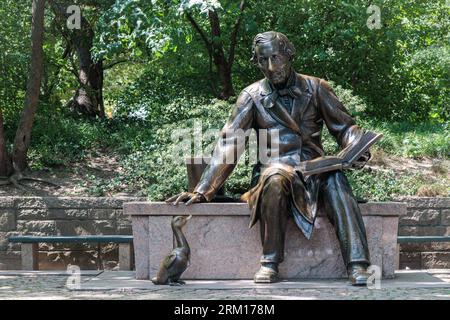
<point x="273" y="62"/>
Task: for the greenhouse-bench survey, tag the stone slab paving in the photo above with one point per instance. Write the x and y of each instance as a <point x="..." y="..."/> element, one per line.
<point x="412" y="284"/>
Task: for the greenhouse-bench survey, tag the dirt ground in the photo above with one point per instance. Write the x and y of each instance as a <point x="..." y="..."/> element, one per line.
<point x="74" y="180"/>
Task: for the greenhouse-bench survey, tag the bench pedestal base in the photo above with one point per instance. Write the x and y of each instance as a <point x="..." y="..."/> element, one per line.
<point x="222" y="246"/>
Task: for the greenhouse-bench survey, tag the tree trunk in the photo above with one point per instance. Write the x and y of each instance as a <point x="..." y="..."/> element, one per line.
<point x="227" y="89"/>
<point x="223" y="67"/>
<point x="23" y="133"/>
<point x="5" y="159"/>
<point x="88" y="98"/>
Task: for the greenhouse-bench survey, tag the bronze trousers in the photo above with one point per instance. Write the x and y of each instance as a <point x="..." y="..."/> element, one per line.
<point x="335" y="197"/>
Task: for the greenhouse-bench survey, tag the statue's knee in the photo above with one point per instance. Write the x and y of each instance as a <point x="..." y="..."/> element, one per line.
<point x="277" y="182"/>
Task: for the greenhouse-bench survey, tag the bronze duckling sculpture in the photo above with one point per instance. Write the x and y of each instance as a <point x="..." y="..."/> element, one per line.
<point x="177" y="261"/>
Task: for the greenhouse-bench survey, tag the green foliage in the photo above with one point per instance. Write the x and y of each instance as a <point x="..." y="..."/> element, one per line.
<point x="397" y="76"/>
<point x="411" y="140"/>
<point x="15" y="26"/>
<point x="427" y="94"/>
<point x="383" y="185"/>
<point x="152" y="166"/>
<point x="159" y="97"/>
<point x="132" y="27"/>
<point x="59" y="139"/>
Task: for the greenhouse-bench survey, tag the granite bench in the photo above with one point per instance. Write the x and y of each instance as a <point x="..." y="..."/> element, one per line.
<point x="30" y="247"/>
<point x="223" y="247"/>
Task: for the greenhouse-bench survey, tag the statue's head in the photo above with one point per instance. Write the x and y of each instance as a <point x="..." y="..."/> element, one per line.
<point x="273" y="53"/>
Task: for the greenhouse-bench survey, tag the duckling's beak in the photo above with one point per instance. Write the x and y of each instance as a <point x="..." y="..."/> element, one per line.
<point x="189" y="217"/>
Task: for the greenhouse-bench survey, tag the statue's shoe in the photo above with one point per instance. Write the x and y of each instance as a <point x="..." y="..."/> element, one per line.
<point x="266" y="275"/>
<point x="358" y="275"/>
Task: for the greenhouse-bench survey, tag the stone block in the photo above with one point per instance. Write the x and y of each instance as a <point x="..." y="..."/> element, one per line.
<point x="67" y="202"/>
<point x="32" y="202"/>
<point x="85" y="202"/>
<point x="85" y="227"/>
<point x="424" y="231"/>
<point x="10" y="246"/>
<point x="4" y="243"/>
<point x="102" y="214"/>
<point x="222" y="246"/>
<point x="160" y="242"/>
<point x="445" y="217"/>
<point x="6" y="202"/>
<point x="38" y="226"/>
<point x="141" y="246"/>
<point x="425" y="202"/>
<point x="124" y="227"/>
<point x="68" y="214"/>
<point x="119" y="214"/>
<point x="33" y="214"/>
<point x="10" y="260"/>
<point x="421" y="217"/>
<point x="423" y="247"/>
<point x="388" y="244"/>
<point x="218" y="241"/>
<point x="7" y="220"/>
<point x="82" y="214"/>
<point x="435" y="260"/>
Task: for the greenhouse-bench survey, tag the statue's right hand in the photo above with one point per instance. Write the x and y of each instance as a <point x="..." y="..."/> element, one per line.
<point x="188" y="197"/>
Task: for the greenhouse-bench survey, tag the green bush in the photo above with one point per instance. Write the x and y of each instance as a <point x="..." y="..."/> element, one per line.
<point x="59" y="139"/>
<point x="384" y="185"/>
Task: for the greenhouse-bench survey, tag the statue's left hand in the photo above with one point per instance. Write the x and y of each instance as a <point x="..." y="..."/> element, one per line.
<point x="189" y="196"/>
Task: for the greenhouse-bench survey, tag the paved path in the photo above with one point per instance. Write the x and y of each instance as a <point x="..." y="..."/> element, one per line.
<point x="427" y="284"/>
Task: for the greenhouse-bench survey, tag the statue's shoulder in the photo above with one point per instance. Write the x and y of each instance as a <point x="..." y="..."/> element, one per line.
<point x="248" y="94"/>
<point x="315" y="83"/>
<point x="311" y="82"/>
<point x="254" y="89"/>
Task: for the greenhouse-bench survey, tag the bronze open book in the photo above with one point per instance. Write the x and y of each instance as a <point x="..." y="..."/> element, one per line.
<point x="344" y="159"/>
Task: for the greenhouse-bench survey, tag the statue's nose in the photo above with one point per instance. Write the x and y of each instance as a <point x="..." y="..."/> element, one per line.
<point x="271" y="65"/>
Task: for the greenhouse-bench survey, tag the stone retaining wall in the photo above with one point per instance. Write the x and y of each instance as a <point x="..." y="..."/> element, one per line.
<point x="425" y="217"/>
<point x="76" y="216"/>
<point x="62" y="216"/>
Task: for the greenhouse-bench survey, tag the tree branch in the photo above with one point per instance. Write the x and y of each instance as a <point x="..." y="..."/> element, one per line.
<point x="67" y="50"/>
<point x="112" y="64"/>
<point x="199" y="31"/>
<point x="215" y="23"/>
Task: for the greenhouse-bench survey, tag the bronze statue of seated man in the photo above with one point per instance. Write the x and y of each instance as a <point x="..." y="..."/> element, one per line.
<point x="292" y="108"/>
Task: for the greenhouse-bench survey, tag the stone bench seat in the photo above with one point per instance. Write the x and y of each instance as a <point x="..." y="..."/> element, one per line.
<point x="223" y="247"/>
<point x="422" y="239"/>
<point x="30" y="247"/>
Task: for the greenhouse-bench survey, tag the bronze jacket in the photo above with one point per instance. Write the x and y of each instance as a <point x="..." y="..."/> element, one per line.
<point x="297" y="135"/>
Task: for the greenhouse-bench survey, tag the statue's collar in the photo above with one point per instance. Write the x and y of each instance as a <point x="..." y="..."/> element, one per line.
<point x="296" y="87"/>
<point x="295" y="81"/>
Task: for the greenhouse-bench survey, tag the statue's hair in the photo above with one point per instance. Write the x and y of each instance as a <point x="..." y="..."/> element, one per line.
<point x="286" y="46"/>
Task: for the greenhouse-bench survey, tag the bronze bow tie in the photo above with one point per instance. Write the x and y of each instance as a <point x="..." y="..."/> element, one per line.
<point x="293" y="92"/>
